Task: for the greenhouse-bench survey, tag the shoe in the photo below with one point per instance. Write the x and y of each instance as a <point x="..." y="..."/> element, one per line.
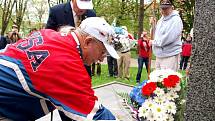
<point x="115" y="76"/>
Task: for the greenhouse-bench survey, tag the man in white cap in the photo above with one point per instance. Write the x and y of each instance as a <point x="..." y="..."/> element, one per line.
<point x="48" y="66"/>
<point x="167" y="44"/>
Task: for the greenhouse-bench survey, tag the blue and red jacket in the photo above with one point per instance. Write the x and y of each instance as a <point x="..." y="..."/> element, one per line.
<point x="47" y="65"/>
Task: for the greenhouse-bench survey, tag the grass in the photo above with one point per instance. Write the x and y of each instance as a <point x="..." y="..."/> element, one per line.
<point x="103" y="78"/>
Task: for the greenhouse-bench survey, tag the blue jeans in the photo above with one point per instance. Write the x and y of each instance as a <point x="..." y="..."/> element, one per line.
<point x="141" y="60"/>
<point x="183" y="62"/>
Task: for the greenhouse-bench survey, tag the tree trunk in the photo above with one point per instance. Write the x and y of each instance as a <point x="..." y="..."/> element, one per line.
<point x="141" y="18"/>
<point x="6" y="14"/>
<point x="201" y="85"/>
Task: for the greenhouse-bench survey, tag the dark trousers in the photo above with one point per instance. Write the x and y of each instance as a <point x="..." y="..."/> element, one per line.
<point x="88" y="68"/>
<point x="98" y="69"/>
<point x="112" y="66"/>
<point x="141" y="60"/>
<point x="183" y="62"/>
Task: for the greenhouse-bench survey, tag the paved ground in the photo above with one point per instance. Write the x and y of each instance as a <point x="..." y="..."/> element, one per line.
<point x="107" y="95"/>
<point x="109" y="98"/>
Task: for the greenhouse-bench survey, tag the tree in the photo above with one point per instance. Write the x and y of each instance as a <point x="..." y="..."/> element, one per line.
<point x="141" y="18"/>
<point x="20" y="8"/>
<point x="40" y="10"/>
<point x="186" y="11"/>
<point x="7" y="7"/>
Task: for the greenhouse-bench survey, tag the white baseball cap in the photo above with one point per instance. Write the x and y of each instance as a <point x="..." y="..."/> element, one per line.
<point x="101" y="30"/>
<point x="84" y="4"/>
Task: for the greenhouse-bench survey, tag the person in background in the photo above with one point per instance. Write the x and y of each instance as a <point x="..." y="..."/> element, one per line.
<point x="3" y="42"/>
<point x="52" y="70"/>
<point x="143" y="52"/>
<point x="13" y="35"/>
<point x="32" y="31"/>
<point x="70" y="13"/>
<point x="96" y="66"/>
<point x="112" y="66"/>
<point x="125" y="54"/>
<point x="186" y="53"/>
<point x="167" y="44"/>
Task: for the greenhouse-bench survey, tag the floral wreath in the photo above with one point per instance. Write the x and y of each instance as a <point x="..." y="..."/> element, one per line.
<point x="158" y="97"/>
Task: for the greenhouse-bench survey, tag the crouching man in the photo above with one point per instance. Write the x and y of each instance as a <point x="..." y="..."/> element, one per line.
<point x="46" y="71"/>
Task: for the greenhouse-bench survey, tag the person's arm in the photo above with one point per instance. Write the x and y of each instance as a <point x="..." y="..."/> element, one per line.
<point x="51" y="23"/>
<point x="173" y="32"/>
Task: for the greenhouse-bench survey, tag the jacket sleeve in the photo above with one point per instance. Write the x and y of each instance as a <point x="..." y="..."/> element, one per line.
<point x="90" y="13"/>
<point x="171" y="34"/>
<point x="51" y="23"/>
<point x="3" y="42"/>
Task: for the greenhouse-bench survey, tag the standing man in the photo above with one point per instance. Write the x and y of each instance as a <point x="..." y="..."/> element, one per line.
<point x="167" y="44"/>
<point x="48" y="66"/>
<point x="70" y="13"/>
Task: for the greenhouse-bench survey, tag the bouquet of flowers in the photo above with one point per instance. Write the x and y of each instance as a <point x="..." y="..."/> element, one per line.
<point x="158" y="97"/>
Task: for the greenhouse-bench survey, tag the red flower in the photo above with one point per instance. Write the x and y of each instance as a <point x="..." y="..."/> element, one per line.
<point x="171" y="81"/>
<point x="149" y="88"/>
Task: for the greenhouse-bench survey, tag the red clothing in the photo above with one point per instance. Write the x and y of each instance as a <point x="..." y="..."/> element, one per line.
<point x="55" y="69"/>
<point x="143" y="48"/>
<point x="186" y="49"/>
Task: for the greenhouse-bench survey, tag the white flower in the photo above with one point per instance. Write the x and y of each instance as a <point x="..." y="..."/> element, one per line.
<point x="170" y="107"/>
<point x="143" y="112"/>
<point x="162" y="117"/>
<point x="159" y="91"/>
<point x="156" y="76"/>
<point x="159" y="111"/>
<point x="151" y="117"/>
<point x="159" y="75"/>
<point x="171" y="95"/>
<point x="159" y="99"/>
<point x="170" y="118"/>
<point x="148" y="104"/>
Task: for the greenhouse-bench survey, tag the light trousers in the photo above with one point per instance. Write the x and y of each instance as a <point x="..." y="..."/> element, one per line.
<point x="171" y="62"/>
<point x="124" y="64"/>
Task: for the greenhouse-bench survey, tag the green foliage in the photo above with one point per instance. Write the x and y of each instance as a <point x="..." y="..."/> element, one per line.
<point x="104" y="78"/>
<point x="125" y="11"/>
<point x="180" y="102"/>
<point x="186" y="9"/>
